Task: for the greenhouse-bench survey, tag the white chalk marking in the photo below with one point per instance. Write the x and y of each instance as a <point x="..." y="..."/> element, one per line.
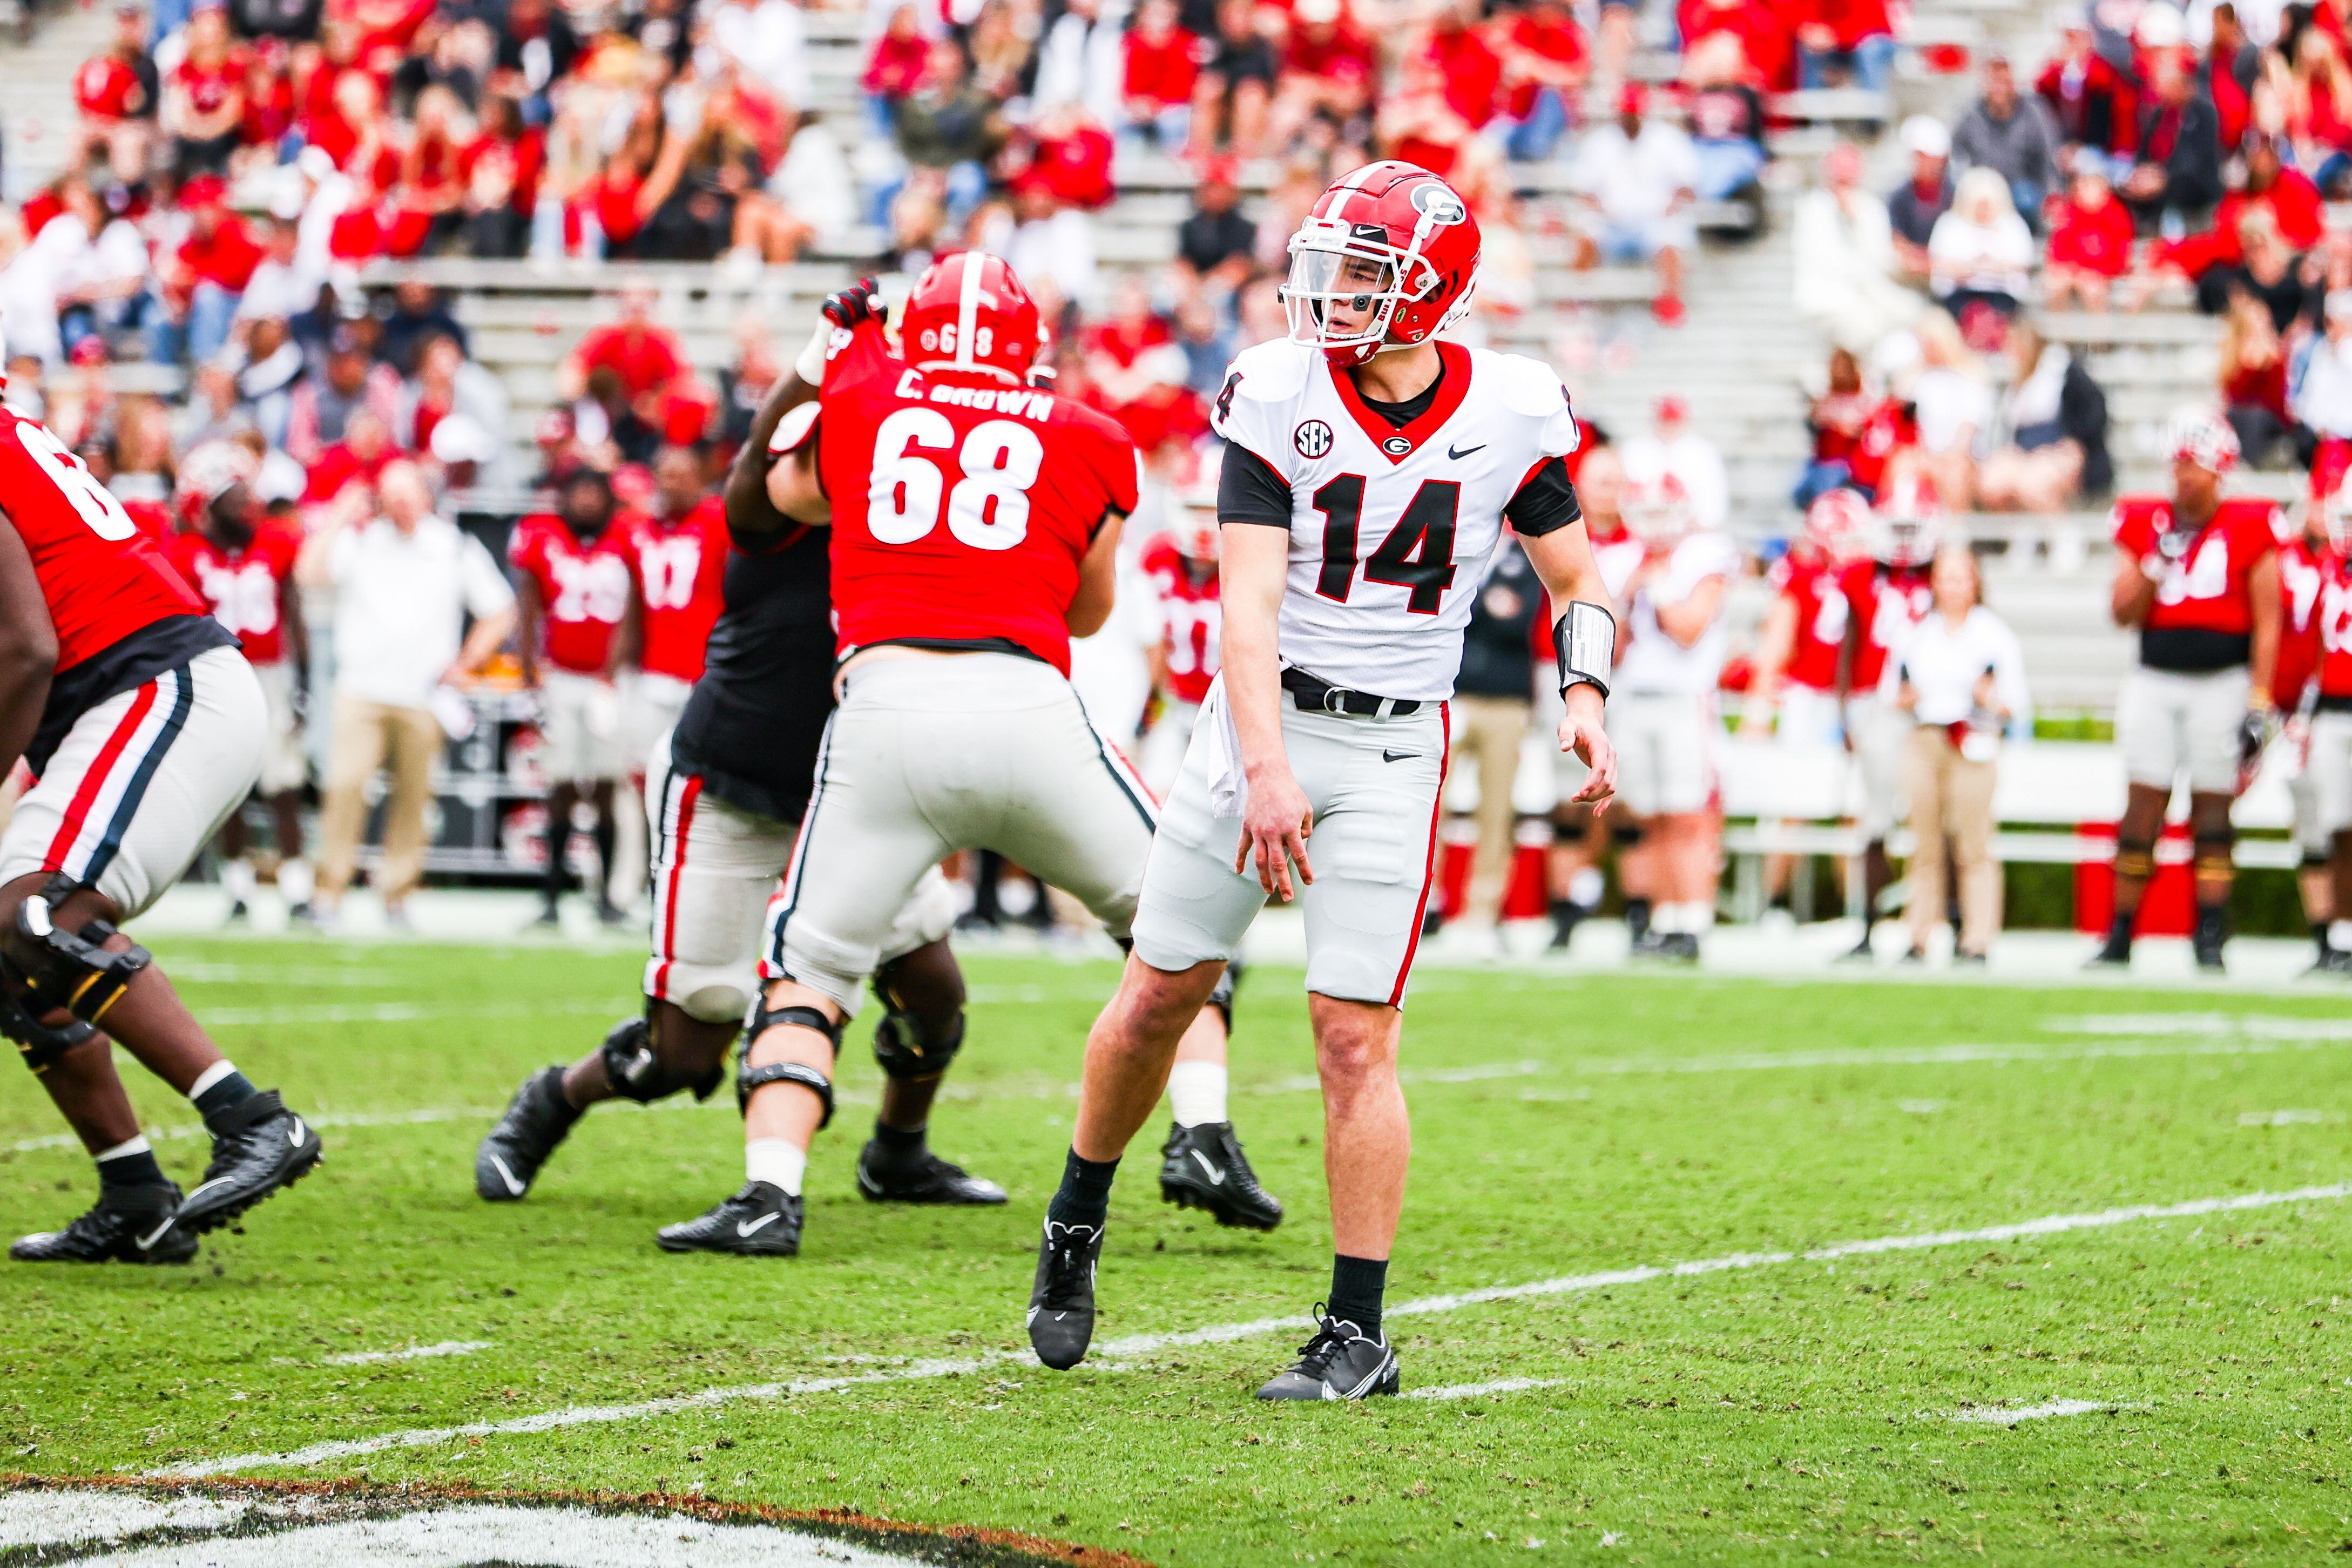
<point x="1135" y="1345"/>
<point x="1479" y="1390"/>
<point x="2284" y="1118"/>
<point x="2259" y="1026"/>
<point x="1999" y="1416"/>
<point x="196" y="1128"/>
<point x="63" y="1518"/>
<point x="414" y="1352"/>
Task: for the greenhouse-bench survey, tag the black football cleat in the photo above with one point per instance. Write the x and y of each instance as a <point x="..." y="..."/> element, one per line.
<point x="2113" y="953"/>
<point x="927" y="1179"/>
<point x="536" y="1123"/>
<point x="129" y="1224"/>
<point x="761" y="1221"/>
<point x="1062" y="1299"/>
<point x="2213" y="929"/>
<point x="1341" y="1361"/>
<point x="265" y="1148"/>
<point x="1203" y="1168"/>
<point x="1679" y="947"/>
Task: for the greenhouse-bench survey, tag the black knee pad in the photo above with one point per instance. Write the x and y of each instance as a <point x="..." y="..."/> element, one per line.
<point x="906" y="1052"/>
<point x="639" y="1073"/>
<point x="51" y="968"/>
<point x="1625" y="836"/>
<point x="1222" y="998"/>
<point x="39" y="1045"/>
<point x="749" y="1077"/>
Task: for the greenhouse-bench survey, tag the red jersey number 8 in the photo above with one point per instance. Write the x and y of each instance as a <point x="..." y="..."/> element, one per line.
<point x="93" y="500"/>
<point x="1000" y="460"/>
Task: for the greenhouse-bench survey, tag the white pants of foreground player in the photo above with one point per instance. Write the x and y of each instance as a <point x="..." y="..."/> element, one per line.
<point x="142" y="781"/>
<point x="927" y="757"/>
<point x="2168" y="723"/>
<point x="1373" y="784"/>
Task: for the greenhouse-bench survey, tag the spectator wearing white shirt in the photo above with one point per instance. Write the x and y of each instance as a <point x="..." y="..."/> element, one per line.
<point x="403" y="582"/>
<point x="1082" y="59"/>
<point x="2322" y="384"/>
<point x="1962" y="677"/>
<point x="1635" y="177"/>
<point x="1954" y="408"/>
<point x="769" y="38"/>
<point x="1980" y="254"/>
<point x="1674" y="447"/>
<point x="285" y="281"/>
<point x="1846" y="264"/>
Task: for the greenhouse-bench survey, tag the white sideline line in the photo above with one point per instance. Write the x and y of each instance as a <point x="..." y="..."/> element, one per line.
<point x="196" y="1128"/>
<point x="1478" y="1390"/>
<point x="2261" y="1025"/>
<point x="1995" y="1416"/>
<point x="414" y="1352"/>
<point x="1135" y="1345"/>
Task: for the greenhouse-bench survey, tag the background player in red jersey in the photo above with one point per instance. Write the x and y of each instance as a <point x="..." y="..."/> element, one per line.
<point x="576" y="589"/>
<point x="2198" y="574"/>
<point x="958" y="581"/>
<point x="243" y="564"/>
<point x="2305" y="559"/>
<point x="1885" y="596"/>
<point x="2321" y="655"/>
<point x="1181" y="567"/>
<point x="143" y="726"/>
<point x="677" y="573"/>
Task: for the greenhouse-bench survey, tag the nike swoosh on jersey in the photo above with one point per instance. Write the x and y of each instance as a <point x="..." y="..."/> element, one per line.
<point x="1395" y="757"/>
<point x="1458" y="456"/>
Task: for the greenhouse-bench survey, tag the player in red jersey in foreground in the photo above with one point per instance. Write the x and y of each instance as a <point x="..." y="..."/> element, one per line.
<point x="143" y="727"/>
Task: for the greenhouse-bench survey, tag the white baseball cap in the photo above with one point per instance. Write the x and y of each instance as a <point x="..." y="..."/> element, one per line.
<point x="1923" y="136"/>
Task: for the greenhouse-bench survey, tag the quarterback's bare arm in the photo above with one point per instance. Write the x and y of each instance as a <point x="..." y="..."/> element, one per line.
<point x="1563" y="559"/>
<point x="28" y="649"/>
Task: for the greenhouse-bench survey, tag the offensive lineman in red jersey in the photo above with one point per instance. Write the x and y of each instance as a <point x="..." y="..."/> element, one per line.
<point x="1887" y="597"/>
<point x="243" y="564"/>
<point x="143" y="727"/>
<point x="2305" y="561"/>
<point x="575" y="591"/>
<point x="2197" y="575"/>
<point x="958" y="581"/>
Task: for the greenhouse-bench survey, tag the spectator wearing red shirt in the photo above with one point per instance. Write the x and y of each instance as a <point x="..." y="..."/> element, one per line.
<point x="1327" y="72"/>
<point x="1473" y="71"/>
<point x="359" y="458"/>
<point x="268" y="97"/>
<point x="2254" y="383"/>
<point x="2090" y="237"/>
<point x="428" y="202"/>
<point x="1161" y="68"/>
<point x="204" y="100"/>
<point x="2211" y="258"/>
<point x="207" y="274"/>
<point x="1070" y="158"/>
<point x="1545" y="65"/>
<point x="501" y="169"/>
<point x="2095" y="105"/>
<point x="1853" y="37"/>
<point x="117" y="94"/>
<point x="1764" y="36"/>
<point x="894" y="69"/>
<point x="645" y="357"/>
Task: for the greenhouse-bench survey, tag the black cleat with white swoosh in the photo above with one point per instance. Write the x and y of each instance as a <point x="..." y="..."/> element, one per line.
<point x="1341" y="1361"/>
<point x="263" y="1147"/>
<point x="129" y="1224"/>
<point x="1203" y="1168"/>
<point x="535" y="1123"/>
<point x="1062" y="1297"/>
<point x="761" y="1221"/>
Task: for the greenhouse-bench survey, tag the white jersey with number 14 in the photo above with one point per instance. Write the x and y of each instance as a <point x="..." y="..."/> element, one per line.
<point x="1390" y="528"/>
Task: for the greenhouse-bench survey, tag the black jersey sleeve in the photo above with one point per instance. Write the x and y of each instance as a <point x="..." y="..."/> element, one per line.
<point x="1249" y="490"/>
<point x="1547" y="502"/>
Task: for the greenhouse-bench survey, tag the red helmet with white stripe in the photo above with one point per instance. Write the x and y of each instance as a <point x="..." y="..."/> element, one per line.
<point x="969" y="313"/>
<point x="2201" y="437"/>
<point x="1838" y="525"/>
<point x="1386" y="259"/>
<point x="1911" y="526"/>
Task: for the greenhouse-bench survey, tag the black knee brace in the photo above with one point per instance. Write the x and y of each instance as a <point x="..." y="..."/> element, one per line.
<point x="2212" y="857"/>
<point x="1625" y="835"/>
<point x="749" y="1077"/>
<point x="639" y="1073"/>
<point x="906" y="1052"/>
<point x="1222" y="998"/>
<point x="49" y="968"/>
<point x="2135" y="857"/>
<point x="39" y="1045"/>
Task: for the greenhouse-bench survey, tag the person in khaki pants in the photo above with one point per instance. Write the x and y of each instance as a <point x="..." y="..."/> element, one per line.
<point x="1962" y="677"/>
<point x="403" y="582"/>
<point x="1494" y="701"/>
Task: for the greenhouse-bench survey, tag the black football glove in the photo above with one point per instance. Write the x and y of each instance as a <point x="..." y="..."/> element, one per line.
<point x="2255" y="732"/>
<point x="861" y="302"/>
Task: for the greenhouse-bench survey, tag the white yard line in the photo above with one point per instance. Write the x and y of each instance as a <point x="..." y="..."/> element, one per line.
<point x="2284" y="1118"/>
<point x="1135" y="1345"/>
<point x="1996" y="1415"/>
<point x="1479" y="1390"/>
<point x="414" y="1352"/>
<point x="196" y="1128"/>
<point x="400" y="1012"/>
<point x="2261" y="1025"/>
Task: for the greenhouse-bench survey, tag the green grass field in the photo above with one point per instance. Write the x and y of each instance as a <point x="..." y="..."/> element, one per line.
<point x="1759" y="1411"/>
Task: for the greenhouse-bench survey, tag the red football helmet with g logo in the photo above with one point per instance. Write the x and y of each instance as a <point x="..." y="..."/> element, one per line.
<point x="1386" y="259"/>
<point x="969" y="313"/>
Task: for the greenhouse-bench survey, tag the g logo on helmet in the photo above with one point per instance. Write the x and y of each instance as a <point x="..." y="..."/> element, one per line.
<point x="1312" y="438"/>
<point x="1439" y="205"/>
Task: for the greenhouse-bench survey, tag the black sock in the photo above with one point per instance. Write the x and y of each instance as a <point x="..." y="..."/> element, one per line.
<point x="2319" y="937"/>
<point x="231" y="1091"/>
<point x="1357" y="1284"/>
<point x="559" y="1099"/>
<point x="1084" y="1198"/>
<point x="607" y="833"/>
<point x="2119" y="929"/>
<point x="138" y="1170"/>
<point x="901" y="1145"/>
<point x="1637" y="915"/>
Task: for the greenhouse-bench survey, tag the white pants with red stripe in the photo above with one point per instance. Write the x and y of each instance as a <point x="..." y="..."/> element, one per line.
<point x="927" y="757"/>
<point x="715" y="870"/>
<point x="142" y="781"/>
<point x="1374" y="785"/>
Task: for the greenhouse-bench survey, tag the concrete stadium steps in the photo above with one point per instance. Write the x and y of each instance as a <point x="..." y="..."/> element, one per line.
<point x="37" y="117"/>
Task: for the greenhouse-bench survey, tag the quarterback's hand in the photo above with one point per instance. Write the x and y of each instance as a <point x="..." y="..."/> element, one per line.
<point x="860" y="302"/>
<point x="1275" y="825"/>
<point x="1580" y="732"/>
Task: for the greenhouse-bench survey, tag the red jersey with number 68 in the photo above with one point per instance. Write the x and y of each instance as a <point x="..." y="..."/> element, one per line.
<point x="680" y="571"/>
<point x="245" y="587"/>
<point x="962" y="505"/>
<point x="102" y="578"/>
<point x="2203" y="615"/>
<point x="584" y="587"/>
<point x="1891" y="600"/>
<point x="1813" y="587"/>
<point x="1190" y="617"/>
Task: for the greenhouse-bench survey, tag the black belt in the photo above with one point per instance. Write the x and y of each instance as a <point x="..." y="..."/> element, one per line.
<point x="1321" y="697"/>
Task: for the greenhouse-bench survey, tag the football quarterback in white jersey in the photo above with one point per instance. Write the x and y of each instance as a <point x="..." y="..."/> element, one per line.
<point x="1369" y="471"/>
<point x="1662" y="714"/>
